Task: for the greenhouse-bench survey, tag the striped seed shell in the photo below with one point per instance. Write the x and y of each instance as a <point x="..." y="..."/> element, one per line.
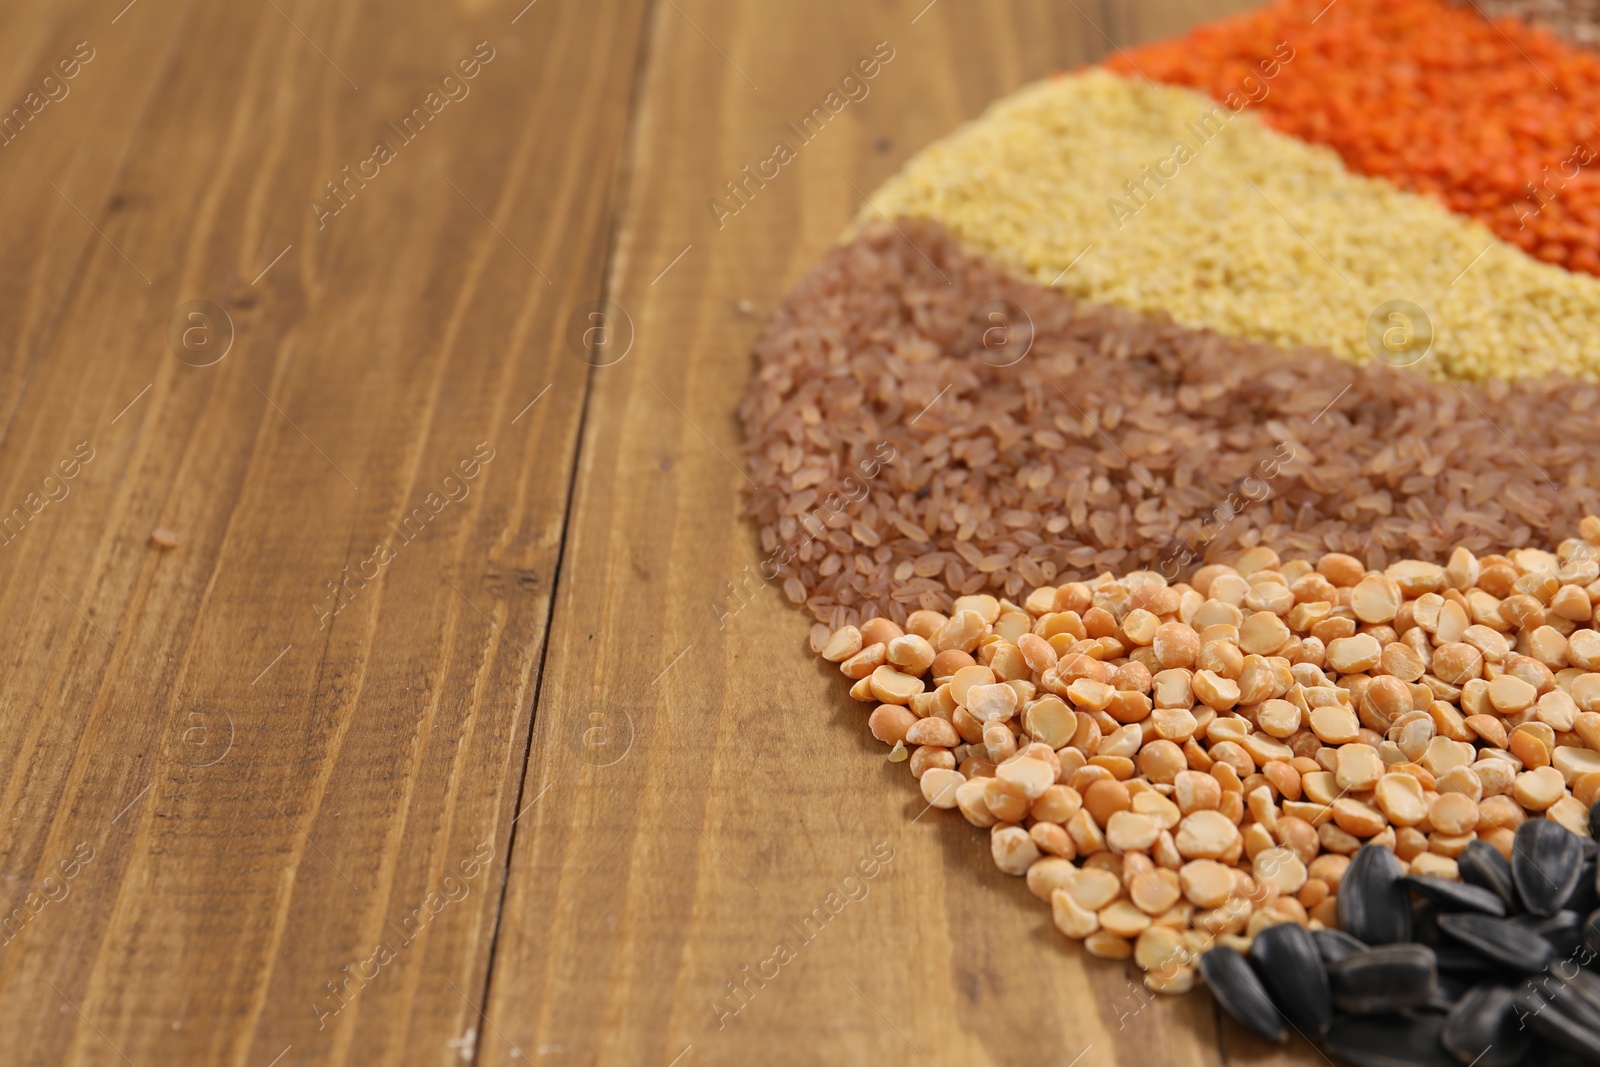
<point x="1482" y="865"/>
<point x="1373" y="904"/>
<point x="1554" y="1025"/>
<point x="1456" y="896"/>
<point x="1241" y="994"/>
<point x="1564" y="929"/>
<point x="1291" y="967"/>
<point x="1483" y="1028"/>
<point x="1545" y="863"/>
<point x="1384" y="979"/>
<point x="1335" y="945"/>
<point x="1501" y="940"/>
<point x="1409" y="1040"/>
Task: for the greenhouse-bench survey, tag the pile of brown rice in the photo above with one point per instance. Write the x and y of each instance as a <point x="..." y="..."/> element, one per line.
<point x="900" y="465"/>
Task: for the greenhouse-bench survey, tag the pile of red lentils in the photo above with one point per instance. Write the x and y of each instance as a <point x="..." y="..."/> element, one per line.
<point x="1496" y="119"/>
<point x="1172" y="765"/>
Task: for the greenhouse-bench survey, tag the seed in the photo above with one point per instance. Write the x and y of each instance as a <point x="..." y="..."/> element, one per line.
<point x="1291" y="968"/>
<point x="912" y="654"/>
<point x="1124" y="919"/>
<point x="891" y="687"/>
<point x="1384" y="979"/>
<point x="1556" y="1026"/>
<point x="1545" y="863"/>
<point x="1013" y="850"/>
<point x="1483" y="1028"/>
<point x="1510" y="694"/>
<point x="1241" y="994"/>
<point x="1335" y="945"/>
<point x="1453" y="813"/>
<point x="1205" y="835"/>
<point x="932" y="731"/>
<point x="845" y="642"/>
<point x="1410" y="1040"/>
<point x="889" y="723"/>
<point x="1372" y="902"/>
<point x="1457" y="896"/>
<point x="939" y="786"/>
<point x="991" y="703"/>
<point x="1095" y="888"/>
<point x="1499" y="940"/>
<point x="1070" y="917"/>
<point x="1028" y="777"/>
<point x="1335" y="725"/>
<point x="1159" y="948"/>
<point x="1130" y="832"/>
<point x="1049" y="874"/>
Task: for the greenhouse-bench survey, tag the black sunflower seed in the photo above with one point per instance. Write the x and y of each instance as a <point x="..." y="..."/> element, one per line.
<point x="1456" y="896"/>
<point x="1574" y="1002"/>
<point x="1389" y="1041"/>
<point x="1291" y="967"/>
<point x="1585" y="895"/>
<point x="1552" y="1024"/>
<point x="1483" y="1028"/>
<point x="1424" y="921"/>
<point x="1482" y="865"/>
<point x="1545" y="863"/>
<point x="1585" y="985"/>
<point x="1457" y="959"/>
<point x="1563" y="930"/>
<point x="1241" y="994"/>
<point x="1335" y="945"/>
<point x="1499" y="939"/>
<point x="1594" y="820"/>
<point x="1373" y="905"/>
<point x="1387" y="978"/>
<point x="1591" y="932"/>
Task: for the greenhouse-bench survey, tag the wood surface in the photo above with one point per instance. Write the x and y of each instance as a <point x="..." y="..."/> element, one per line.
<point x="559" y="769"/>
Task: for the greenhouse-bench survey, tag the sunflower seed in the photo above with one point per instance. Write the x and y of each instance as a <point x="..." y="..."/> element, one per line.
<point x="1291" y="968"/>
<point x="1594" y="820"/>
<point x="1502" y="940"/>
<point x="1573" y="1004"/>
<point x="1554" y="1025"/>
<point x="1463" y="962"/>
<point x="1335" y="945"/>
<point x="1387" y="978"/>
<point x="1456" y="896"/>
<point x="1482" y="865"/>
<point x="1373" y="905"/>
<point x="1545" y="863"/>
<point x="1591" y="931"/>
<point x="1563" y="930"/>
<point x="1585" y="897"/>
<point x="1483" y="1028"/>
<point x="1241" y="994"/>
<point x="1390" y="1041"/>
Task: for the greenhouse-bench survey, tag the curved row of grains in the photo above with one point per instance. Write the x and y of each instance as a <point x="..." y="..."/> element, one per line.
<point x="1173" y="764"/>
<point x="1386" y="84"/>
<point x="1157" y="198"/>
<point x="895" y="468"/>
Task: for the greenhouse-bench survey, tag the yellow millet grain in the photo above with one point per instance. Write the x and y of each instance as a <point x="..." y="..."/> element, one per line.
<point x="1250" y="232"/>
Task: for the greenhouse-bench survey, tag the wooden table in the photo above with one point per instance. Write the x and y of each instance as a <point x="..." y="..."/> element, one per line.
<point x="452" y="730"/>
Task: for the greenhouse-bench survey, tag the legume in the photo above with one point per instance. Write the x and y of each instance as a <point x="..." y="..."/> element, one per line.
<point x="1211" y="839"/>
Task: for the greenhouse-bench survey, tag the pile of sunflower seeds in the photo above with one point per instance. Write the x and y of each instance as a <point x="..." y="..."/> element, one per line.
<point x="1494" y="970"/>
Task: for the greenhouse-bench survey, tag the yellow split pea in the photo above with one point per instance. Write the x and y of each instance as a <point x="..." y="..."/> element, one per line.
<point x="1159" y="199"/>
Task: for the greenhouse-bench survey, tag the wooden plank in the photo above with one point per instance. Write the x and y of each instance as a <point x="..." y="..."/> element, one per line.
<point x="702" y="784"/>
<point x="265" y="792"/>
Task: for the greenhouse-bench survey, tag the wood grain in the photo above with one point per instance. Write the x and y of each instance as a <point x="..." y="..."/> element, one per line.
<point x="383" y="747"/>
<point x="559" y="756"/>
<point x="727" y="787"/>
